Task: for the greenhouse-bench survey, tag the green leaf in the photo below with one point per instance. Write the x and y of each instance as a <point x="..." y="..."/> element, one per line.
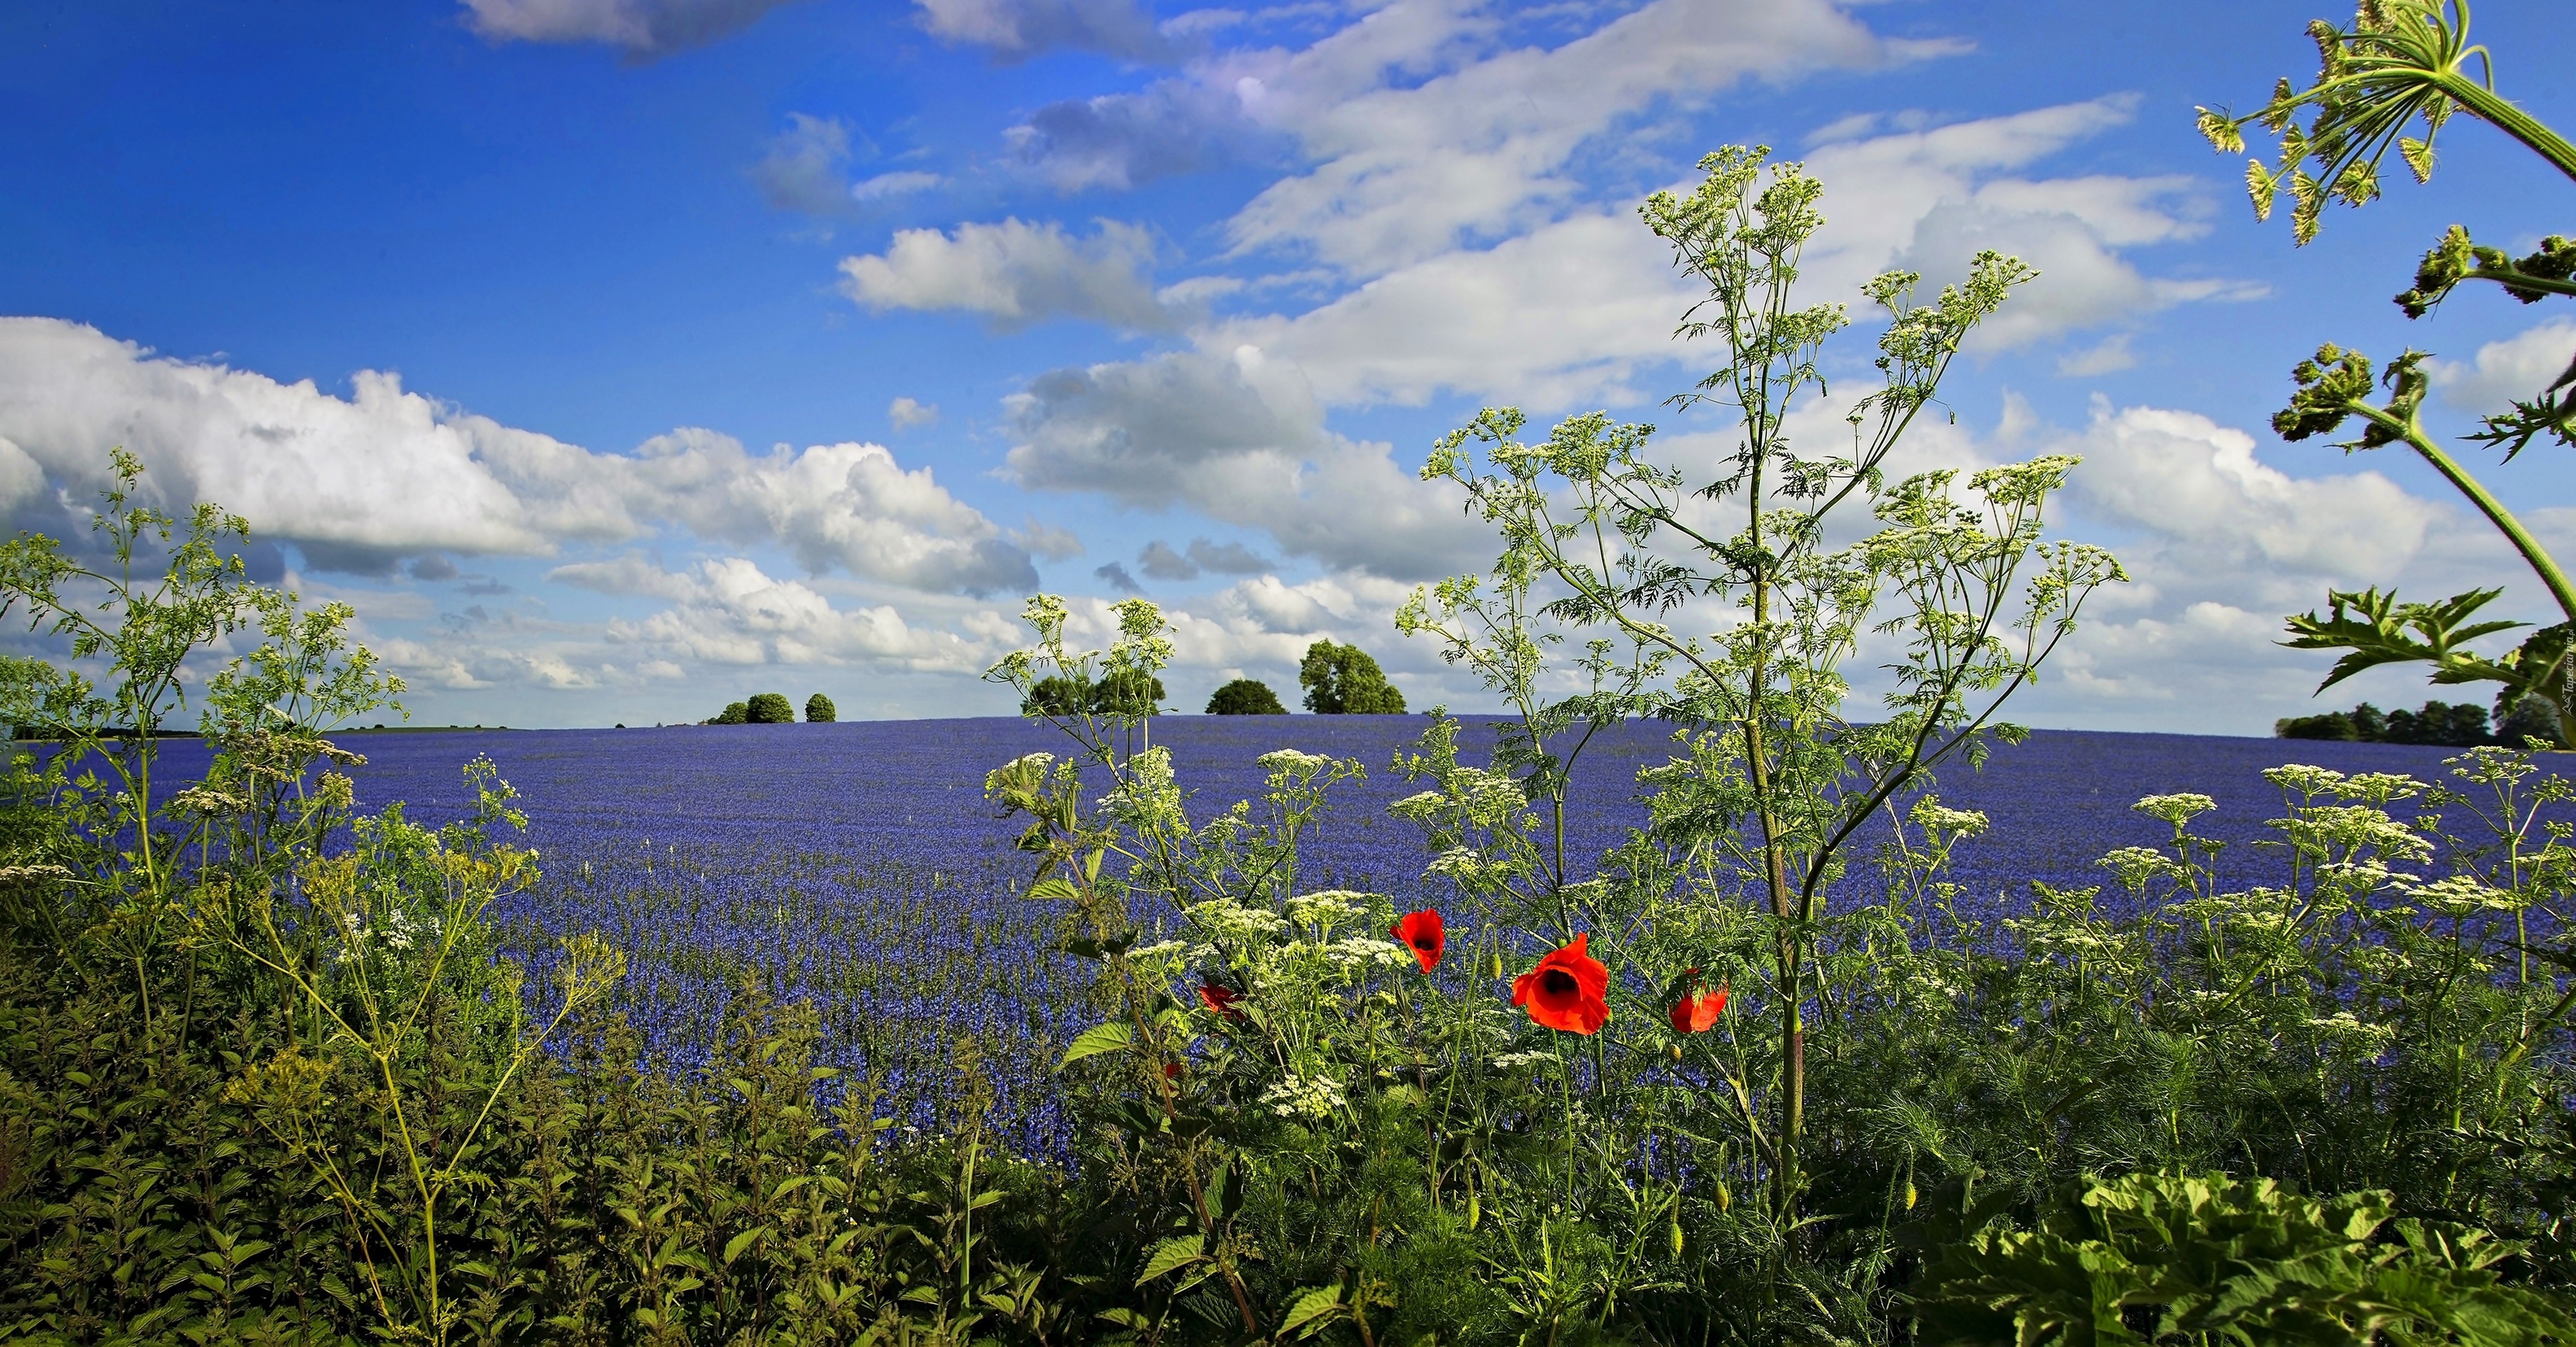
<point x="1313" y="1309"/>
<point x="1099" y="1038"/>
<point x="734" y="1247"/>
<point x="1053" y="890"/>
<point x="1176" y="1252"/>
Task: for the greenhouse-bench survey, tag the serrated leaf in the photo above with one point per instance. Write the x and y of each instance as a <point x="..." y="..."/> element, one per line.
<point x="1176" y="1252"/>
<point x="1099" y="1038"/>
<point x="1313" y="1309"/>
<point x="1055" y="889"/>
<point x="734" y="1247"/>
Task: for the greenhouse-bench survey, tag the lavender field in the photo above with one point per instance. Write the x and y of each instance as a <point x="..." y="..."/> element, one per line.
<point x="857" y="865"/>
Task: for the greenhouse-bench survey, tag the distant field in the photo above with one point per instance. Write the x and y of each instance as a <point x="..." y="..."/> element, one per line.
<point x="857" y="864"/>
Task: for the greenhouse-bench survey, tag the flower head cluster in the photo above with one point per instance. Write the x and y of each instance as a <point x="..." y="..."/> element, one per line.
<point x="1304" y="1097"/>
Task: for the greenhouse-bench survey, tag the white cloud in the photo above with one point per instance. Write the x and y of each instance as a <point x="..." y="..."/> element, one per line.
<point x="728" y="611"/>
<point x="907" y="414"/>
<point x="1563" y="314"/>
<point x="1015" y="30"/>
<point x="2220" y="545"/>
<point x="847" y="505"/>
<point x="1406" y="168"/>
<point x="2107" y="356"/>
<point x="357" y="483"/>
<point x="645" y="29"/>
<point x="1015" y="273"/>
<point x="886" y="186"/>
<point x="2517" y="367"/>
<point x="1242" y="440"/>
<point x="1928" y="200"/>
<point x="1570" y="311"/>
<point x="806" y="167"/>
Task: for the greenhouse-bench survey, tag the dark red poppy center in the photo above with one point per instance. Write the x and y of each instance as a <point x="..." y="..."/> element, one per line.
<point x="1426" y="943"/>
<point x="1556" y="982"/>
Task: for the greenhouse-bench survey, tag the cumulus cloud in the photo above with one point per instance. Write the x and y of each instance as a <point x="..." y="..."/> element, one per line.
<point x="362" y="482"/>
<point x="1015" y="30"/>
<point x="1562" y="314"/>
<point x="2517" y="367"/>
<point x="645" y="29"/>
<point x="2221" y="544"/>
<point x="1114" y="575"/>
<point x="1160" y="561"/>
<point x="1571" y="311"/>
<point x="1408" y="167"/>
<point x="1929" y="200"/>
<point x="1015" y="274"/>
<point x="907" y="414"/>
<point x="1117" y="141"/>
<point x="728" y="611"/>
<point x="1240" y="439"/>
<point x="806" y="166"/>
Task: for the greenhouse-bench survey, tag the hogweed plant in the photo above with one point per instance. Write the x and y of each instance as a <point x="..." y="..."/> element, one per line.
<point x="2408" y="66"/>
<point x="1601" y="537"/>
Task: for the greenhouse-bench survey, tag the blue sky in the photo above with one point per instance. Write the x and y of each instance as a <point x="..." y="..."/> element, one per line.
<point x="663" y="351"/>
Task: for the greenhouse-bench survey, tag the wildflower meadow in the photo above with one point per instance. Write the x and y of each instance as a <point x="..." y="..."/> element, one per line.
<point x="1689" y="997"/>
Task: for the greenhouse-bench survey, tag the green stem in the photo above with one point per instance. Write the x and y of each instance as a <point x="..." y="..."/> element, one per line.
<point x="2495" y="109"/>
<point x="2532" y="552"/>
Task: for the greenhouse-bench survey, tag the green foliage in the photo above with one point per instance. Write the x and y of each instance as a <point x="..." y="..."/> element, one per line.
<point x="819" y="710"/>
<point x="2182" y="1258"/>
<point x="2452" y="724"/>
<point x="735" y="713"/>
<point x="1119" y="695"/>
<point x="2405" y="64"/>
<point x="1245" y="697"/>
<point x="1344" y="680"/>
<point x="768" y="708"/>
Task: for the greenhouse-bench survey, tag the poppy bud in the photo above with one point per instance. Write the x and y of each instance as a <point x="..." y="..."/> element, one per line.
<point x="1725" y="1199"/>
<point x="1472" y="1211"/>
<point x="1909" y="1194"/>
<point x="1677" y="1236"/>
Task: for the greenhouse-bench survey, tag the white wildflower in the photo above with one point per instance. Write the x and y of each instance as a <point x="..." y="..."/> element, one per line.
<point x="2176" y="809"/>
<point x="1304" y="1096"/>
<point x="2304" y="779"/>
<point x="1326" y="907"/>
<point x="1458" y="863"/>
<point x="1931" y="815"/>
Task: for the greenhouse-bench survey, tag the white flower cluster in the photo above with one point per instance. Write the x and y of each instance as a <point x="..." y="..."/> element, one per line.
<point x="1226" y="919"/>
<point x="1931" y="815"/>
<point x="2136" y="865"/>
<point x="2460" y="895"/>
<point x="1036" y="762"/>
<point x="1513" y="1060"/>
<point x="1293" y="760"/>
<point x="1459" y="863"/>
<point x="1304" y="1096"/>
<point x="1326" y="908"/>
<point x="1418" y="808"/>
<point x="2341" y="1024"/>
<point x="2176" y="809"/>
<point x="1360" y="952"/>
<point x="1149" y="795"/>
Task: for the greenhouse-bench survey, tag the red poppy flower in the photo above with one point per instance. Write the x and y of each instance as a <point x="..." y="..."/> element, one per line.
<point x="1566" y="990"/>
<point x="1220" y="999"/>
<point x="1171" y="1071"/>
<point x="1420" y="932"/>
<point x="1697" y="1011"/>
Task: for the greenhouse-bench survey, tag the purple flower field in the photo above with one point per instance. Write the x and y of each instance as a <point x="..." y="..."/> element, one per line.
<point x="858" y="865"/>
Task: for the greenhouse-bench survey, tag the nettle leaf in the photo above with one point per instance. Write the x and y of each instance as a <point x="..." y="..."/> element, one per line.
<point x="1099" y="1038"/>
<point x="1177" y="1252"/>
<point x="1312" y="1311"/>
